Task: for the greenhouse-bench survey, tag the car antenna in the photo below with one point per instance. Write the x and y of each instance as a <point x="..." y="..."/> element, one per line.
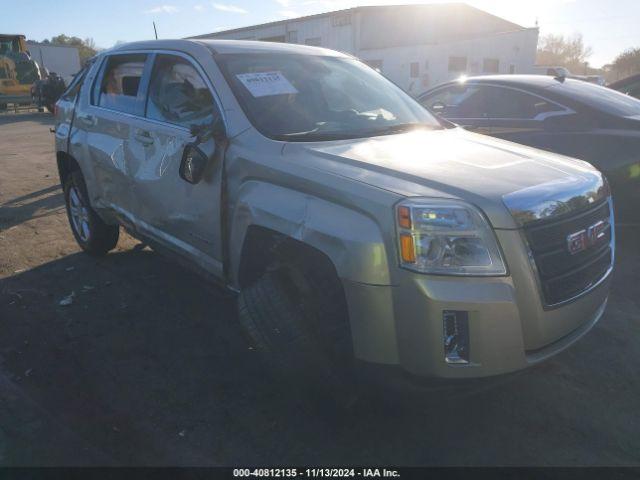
<point x="155" y="30"/>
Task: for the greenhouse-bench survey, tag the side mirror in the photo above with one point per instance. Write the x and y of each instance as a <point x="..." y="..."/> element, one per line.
<point x="193" y="164"/>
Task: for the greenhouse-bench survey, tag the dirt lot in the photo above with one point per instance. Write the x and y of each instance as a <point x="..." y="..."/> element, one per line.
<point x="147" y="366"/>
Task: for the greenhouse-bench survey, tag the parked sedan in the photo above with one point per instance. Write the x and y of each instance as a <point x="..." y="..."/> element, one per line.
<point x="628" y="86"/>
<point x="567" y="116"/>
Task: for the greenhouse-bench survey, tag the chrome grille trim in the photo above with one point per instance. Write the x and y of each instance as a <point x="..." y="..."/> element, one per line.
<point x="596" y="281"/>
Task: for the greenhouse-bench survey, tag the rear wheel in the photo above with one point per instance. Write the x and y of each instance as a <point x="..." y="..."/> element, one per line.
<point x="297" y="319"/>
<point x="92" y="234"/>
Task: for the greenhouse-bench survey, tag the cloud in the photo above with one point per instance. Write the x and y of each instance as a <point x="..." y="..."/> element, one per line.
<point x="229" y="8"/>
<point x="199" y="7"/>
<point x="163" y="9"/>
<point x="289" y="14"/>
<point x="284" y="3"/>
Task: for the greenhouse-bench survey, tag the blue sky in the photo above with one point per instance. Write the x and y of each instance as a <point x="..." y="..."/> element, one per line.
<point x="608" y="27"/>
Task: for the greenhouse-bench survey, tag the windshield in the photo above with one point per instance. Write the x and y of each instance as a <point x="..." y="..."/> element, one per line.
<point x="307" y="98"/>
<point x="9" y="45"/>
<point x="601" y="98"/>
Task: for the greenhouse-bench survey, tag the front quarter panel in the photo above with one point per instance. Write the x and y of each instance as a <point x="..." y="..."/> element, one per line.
<point x="337" y="216"/>
<point x="351" y="240"/>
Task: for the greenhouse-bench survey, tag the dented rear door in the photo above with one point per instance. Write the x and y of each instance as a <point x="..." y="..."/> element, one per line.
<point x="105" y="138"/>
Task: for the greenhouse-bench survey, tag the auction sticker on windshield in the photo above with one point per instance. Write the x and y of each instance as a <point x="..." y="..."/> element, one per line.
<point x="264" y="84"/>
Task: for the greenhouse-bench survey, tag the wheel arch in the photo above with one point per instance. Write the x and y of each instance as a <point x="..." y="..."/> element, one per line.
<point x="350" y="240"/>
<point x="66" y="164"/>
<point x="263" y="247"/>
<point x="342" y="240"/>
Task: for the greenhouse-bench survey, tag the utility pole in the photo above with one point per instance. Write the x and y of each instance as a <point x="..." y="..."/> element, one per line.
<point x="155" y="30"/>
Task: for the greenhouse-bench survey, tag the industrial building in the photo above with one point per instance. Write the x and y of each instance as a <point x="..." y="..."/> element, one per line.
<point x="61" y="59"/>
<point x="416" y="46"/>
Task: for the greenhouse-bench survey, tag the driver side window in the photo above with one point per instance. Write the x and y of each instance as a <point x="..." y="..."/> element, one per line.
<point x="507" y="103"/>
<point x="458" y="101"/>
<point x="178" y="94"/>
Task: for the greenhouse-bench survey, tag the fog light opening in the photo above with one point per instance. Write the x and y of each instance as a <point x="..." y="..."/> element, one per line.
<point x="456" y="336"/>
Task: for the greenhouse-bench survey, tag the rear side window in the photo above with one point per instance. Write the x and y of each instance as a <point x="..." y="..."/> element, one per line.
<point x="178" y="94"/>
<point x="120" y="82"/>
<point x="633" y="89"/>
<point x="600" y="98"/>
<point x="514" y="104"/>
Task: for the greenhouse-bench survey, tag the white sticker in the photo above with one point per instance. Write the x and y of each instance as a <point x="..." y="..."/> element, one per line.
<point x="266" y="83"/>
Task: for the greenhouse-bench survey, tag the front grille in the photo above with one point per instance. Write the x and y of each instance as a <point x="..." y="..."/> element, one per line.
<point x="563" y="275"/>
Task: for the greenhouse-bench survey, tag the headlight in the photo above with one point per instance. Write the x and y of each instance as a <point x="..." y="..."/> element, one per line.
<point x="446" y="237"/>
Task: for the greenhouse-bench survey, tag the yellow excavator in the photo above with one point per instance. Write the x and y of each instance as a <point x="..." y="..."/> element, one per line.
<point x="18" y="71"/>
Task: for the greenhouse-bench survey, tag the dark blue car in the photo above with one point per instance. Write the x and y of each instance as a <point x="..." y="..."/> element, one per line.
<point x="566" y="116"/>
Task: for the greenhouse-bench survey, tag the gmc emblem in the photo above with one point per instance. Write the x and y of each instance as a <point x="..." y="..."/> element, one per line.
<point x="584" y="239"/>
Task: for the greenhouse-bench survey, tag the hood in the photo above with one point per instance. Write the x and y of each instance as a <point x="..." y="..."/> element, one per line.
<point x="502" y="178"/>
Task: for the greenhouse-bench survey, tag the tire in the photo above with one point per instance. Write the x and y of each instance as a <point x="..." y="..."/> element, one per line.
<point x="283" y="317"/>
<point x="93" y="235"/>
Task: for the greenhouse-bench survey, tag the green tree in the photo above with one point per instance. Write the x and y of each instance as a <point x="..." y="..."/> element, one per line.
<point x="86" y="48"/>
<point x="627" y="63"/>
<point x="561" y="51"/>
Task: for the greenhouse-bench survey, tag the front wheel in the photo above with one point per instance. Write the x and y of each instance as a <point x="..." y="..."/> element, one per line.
<point x="92" y="234"/>
<point x="297" y="319"/>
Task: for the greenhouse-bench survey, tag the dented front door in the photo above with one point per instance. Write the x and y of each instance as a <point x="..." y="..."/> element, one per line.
<point x="182" y="216"/>
<point x="177" y="213"/>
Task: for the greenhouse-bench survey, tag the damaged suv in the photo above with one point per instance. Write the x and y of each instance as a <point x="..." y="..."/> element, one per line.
<point x="357" y="229"/>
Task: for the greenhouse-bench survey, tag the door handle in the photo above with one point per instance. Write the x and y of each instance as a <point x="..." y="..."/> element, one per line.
<point x="144" y="137"/>
<point x="87" y="119"/>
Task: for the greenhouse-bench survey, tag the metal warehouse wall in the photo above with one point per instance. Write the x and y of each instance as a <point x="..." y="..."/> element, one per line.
<point x="515" y="52"/>
<point x="65" y="61"/>
<point x="385" y="27"/>
<point x="412" y="45"/>
<point x="336" y="34"/>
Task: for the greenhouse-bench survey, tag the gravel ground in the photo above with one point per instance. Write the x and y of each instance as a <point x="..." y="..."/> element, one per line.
<point x="147" y="366"/>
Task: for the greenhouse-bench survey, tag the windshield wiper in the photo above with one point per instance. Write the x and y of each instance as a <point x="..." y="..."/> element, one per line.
<point x="318" y="136"/>
<point x="400" y="128"/>
<point x="313" y="135"/>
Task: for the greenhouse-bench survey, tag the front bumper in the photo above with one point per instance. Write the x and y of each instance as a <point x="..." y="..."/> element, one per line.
<point x="401" y="326"/>
<point x="397" y="379"/>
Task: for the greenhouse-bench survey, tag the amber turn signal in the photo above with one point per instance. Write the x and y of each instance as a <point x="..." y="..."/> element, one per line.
<point x="408" y="251"/>
<point x="404" y="217"/>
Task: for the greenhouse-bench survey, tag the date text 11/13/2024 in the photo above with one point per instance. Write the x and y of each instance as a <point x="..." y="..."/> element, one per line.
<point x="316" y="472"/>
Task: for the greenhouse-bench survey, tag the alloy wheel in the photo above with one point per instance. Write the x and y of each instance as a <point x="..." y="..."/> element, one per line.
<point x="79" y="214"/>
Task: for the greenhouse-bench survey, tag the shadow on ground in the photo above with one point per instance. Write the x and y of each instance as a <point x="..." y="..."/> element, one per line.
<point x="147" y="365"/>
<point x="39" y="204"/>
